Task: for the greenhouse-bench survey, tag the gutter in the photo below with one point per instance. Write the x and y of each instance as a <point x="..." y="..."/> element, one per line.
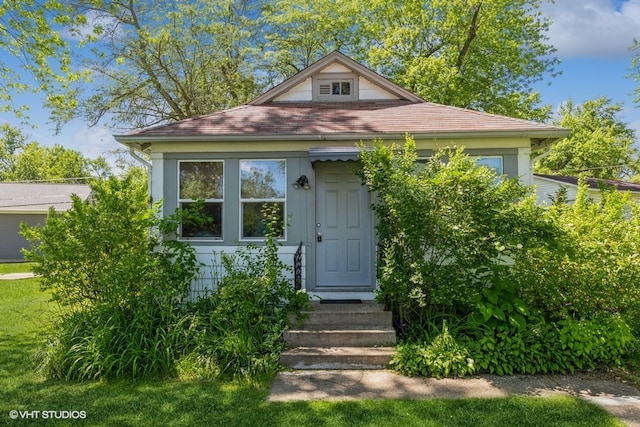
<point x="132" y="140"/>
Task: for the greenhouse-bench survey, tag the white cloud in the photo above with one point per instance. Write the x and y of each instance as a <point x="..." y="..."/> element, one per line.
<point x="93" y="141"/>
<point x="593" y="28"/>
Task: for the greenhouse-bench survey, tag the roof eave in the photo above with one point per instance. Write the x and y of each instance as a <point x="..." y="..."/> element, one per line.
<point x="143" y="143"/>
<point x="26" y="211"/>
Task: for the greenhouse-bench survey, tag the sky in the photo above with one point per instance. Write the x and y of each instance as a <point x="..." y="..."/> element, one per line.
<point x="592" y="38"/>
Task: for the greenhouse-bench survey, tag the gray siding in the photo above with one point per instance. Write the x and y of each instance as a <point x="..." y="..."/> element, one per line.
<point x="300" y="204"/>
<point x="11" y="242"/>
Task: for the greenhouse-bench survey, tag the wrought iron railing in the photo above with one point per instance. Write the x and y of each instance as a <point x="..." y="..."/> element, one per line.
<point x="297" y="268"/>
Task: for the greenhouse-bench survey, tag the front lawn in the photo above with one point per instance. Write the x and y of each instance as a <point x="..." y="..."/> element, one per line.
<point x="25" y="311"/>
<point x="23" y="267"/>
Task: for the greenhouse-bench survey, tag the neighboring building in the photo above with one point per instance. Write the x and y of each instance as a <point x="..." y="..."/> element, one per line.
<point x="29" y="203"/>
<point x="548" y="186"/>
<point x="295" y="146"/>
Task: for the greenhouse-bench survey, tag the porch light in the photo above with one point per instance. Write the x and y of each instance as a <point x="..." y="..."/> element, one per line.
<point x="302" y="182"/>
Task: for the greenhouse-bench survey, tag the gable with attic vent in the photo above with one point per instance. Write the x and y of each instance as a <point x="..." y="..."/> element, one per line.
<point x="335" y="84"/>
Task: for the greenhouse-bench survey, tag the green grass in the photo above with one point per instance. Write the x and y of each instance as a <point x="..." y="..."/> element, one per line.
<point x="22" y="267"/>
<point x="25" y="312"/>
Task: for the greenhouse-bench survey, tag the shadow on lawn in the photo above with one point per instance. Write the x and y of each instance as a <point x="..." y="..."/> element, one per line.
<point x="123" y="403"/>
<point x="171" y="402"/>
<point x="16" y="352"/>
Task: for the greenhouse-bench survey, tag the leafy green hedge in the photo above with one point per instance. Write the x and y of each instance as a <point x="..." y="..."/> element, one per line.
<point x="123" y="289"/>
<point x="523" y="288"/>
<point x="564" y="347"/>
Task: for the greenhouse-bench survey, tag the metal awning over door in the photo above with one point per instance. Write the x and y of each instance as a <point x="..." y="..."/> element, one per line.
<point x="334" y="154"/>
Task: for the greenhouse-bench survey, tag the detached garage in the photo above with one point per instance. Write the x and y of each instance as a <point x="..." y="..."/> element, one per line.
<point x="29" y="203"/>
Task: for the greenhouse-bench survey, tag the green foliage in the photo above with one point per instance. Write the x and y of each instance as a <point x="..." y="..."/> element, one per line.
<point x="238" y="329"/>
<point x="108" y="341"/>
<point x="592" y="268"/>
<point x="442" y="357"/>
<point x="21" y="160"/>
<point x="30" y="35"/>
<point x="446" y="51"/>
<point x="499" y="302"/>
<point x="469" y="221"/>
<point x="543" y="347"/>
<point x="119" y="285"/>
<point x="601" y="145"/>
<point x="528" y="289"/>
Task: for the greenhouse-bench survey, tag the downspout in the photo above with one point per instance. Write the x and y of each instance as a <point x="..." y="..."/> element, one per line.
<point x="546" y="152"/>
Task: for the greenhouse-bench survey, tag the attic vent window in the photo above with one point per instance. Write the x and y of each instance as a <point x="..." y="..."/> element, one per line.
<point x="341" y="88"/>
<point x="335" y="90"/>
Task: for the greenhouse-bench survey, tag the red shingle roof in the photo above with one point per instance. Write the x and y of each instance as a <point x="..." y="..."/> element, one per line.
<point x="306" y="118"/>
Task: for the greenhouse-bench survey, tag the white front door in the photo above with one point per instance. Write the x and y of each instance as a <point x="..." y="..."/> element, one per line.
<point x="344" y="250"/>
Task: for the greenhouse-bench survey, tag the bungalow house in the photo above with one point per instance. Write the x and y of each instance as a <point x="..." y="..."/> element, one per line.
<point x="295" y="146"/>
<point x="548" y="186"/>
<point x="30" y="203"/>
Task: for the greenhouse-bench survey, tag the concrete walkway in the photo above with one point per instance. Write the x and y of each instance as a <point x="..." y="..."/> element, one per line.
<point x="619" y="399"/>
<point x="16" y="276"/>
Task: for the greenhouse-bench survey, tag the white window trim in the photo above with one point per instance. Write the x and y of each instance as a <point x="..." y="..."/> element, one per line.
<point x="269" y="200"/>
<point x="181" y="201"/>
<point x="333" y="78"/>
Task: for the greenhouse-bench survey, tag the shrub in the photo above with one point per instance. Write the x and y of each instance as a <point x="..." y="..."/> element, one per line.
<point x="120" y="286"/>
<point x="442" y="357"/>
<point x="238" y="328"/>
<point x="441" y="223"/>
<point x="592" y="270"/>
<point x="551" y="348"/>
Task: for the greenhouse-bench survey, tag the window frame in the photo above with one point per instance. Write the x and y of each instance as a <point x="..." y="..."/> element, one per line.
<point x="242" y="201"/>
<point x="479" y="158"/>
<point x="331" y="79"/>
<point x="220" y="201"/>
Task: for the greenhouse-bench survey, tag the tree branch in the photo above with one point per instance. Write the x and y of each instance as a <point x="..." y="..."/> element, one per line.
<point x="471" y="34"/>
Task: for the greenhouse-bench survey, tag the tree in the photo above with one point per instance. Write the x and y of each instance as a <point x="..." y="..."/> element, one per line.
<point x="299" y="33"/>
<point x="483" y="55"/>
<point x="29" y="161"/>
<point x="154" y="62"/>
<point x="601" y="145"/>
<point x="11" y="141"/>
<point x="35" y="57"/>
<point x="635" y="68"/>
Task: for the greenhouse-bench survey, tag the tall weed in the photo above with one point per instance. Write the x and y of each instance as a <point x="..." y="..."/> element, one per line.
<point x="238" y="329"/>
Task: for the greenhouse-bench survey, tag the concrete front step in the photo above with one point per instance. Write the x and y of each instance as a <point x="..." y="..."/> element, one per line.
<point x="340" y="337"/>
<point x="344" y="316"/>
<point x="337" y="357"/>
